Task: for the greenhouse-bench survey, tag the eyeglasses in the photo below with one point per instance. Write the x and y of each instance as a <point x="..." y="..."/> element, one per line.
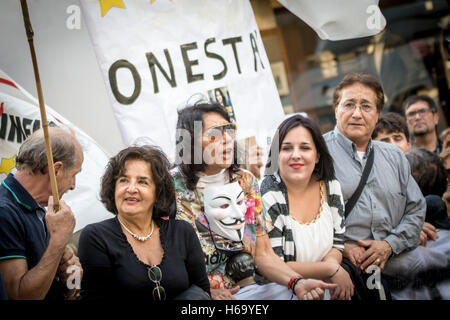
<point x="217" y="132"/>
<point x="365" y="107"/>
<point x="420" y="112"/>
<point x="155" y="275"/>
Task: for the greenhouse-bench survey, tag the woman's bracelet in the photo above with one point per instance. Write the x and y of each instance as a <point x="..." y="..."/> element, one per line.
<point x="335" y="272"/>
<point x="293" y="282"/>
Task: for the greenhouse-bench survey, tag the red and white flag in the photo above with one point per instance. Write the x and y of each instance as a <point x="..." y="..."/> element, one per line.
<point x="19" y="117"/>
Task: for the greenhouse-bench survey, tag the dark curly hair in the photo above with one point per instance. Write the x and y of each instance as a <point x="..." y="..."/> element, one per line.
<point x="159" y="166"/>
<point x="391" y="122"/>
<point x="187" y="117"/>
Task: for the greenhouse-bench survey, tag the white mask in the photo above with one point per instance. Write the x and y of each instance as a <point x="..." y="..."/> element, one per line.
<point x="339" y="19"/>
<point x="225" y="210"/>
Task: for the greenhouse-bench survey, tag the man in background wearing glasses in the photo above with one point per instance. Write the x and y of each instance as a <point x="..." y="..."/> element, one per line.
<point x="422" y="117"/>
<point x="383" y="228"/>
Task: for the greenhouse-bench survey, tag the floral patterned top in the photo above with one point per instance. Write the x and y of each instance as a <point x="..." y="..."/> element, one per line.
<point x="190" y="208"/>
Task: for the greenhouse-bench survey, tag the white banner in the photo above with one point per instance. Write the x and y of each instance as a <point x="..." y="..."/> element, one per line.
<point x="155" y="55"/>
<point x="19" y="117"/>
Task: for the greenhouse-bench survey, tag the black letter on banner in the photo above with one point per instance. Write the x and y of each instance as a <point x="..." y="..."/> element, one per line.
<point x="233" y="41"/>
<point x="36" y="125"/>
<point x="216" y="56"/>
<point x="255" y="50"/>
<point x="26" y="124"/>
<point x="189" y="63"/>
<point x="113" y="81"/>
<point x="4" y="118"/>
<point x="16" y="126"/>
<point x="152" y="61"/>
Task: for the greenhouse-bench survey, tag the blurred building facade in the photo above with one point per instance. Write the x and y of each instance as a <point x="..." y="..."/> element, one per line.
<point x="410" y="56"/>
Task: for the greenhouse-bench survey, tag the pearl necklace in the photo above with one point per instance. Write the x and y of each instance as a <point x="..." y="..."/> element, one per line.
<point x="144" y="238"/>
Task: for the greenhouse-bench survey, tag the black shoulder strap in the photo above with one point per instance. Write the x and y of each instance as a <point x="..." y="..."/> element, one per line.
<point x="362" y="183"/>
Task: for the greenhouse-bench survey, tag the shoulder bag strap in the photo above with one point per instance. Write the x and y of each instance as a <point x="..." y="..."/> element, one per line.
<point x="362" y="183"/>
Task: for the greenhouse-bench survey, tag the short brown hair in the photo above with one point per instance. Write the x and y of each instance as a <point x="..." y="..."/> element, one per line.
<point x="422" y="97"/>
<point x="159" y="166"/>
<point x="364" y="79"/>
<point x="391" y="122"/>
<point x="32" y="153"/>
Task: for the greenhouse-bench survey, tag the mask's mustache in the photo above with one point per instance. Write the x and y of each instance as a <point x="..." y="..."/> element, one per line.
<point x="236" y="221"/>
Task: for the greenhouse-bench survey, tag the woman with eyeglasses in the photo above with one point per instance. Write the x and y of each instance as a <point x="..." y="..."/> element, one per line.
<point x="305" y="202"/>
<point x="223" y="204"/>
<point x="140" y="253"/>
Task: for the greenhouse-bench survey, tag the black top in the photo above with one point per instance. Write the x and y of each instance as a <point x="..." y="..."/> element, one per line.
<point x="22" y="227"/>
<point x="23" y="232"/>
<point x="112" y="270"/>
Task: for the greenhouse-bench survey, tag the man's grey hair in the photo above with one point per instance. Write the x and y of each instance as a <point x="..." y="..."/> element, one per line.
<point x="32" y="154"/>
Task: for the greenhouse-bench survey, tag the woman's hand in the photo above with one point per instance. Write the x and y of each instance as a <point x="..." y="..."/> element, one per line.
<point x="345" y="287"/>
<point x="311" y="289"/>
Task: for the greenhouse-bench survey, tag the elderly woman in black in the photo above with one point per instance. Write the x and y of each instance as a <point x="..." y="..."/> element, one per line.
<point x="140" y="253"/>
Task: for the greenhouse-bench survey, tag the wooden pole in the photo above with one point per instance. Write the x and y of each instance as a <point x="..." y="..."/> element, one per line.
<point x="48" y="147"/>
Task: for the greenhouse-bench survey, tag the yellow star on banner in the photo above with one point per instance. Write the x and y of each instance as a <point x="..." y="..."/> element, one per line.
<point x="105" y="5"/>
<point x="7" y="165"/>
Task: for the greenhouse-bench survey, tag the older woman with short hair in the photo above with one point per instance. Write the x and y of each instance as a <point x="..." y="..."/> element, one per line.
<point x="140" y="253"/>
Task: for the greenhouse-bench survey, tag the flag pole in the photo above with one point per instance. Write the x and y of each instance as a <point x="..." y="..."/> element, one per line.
<point x="48" y="147"/>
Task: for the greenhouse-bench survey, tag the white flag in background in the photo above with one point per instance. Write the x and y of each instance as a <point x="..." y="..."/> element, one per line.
<point x="155" y="55"/>
<point x="339" y="19"/>
<point x="19" y="117"/>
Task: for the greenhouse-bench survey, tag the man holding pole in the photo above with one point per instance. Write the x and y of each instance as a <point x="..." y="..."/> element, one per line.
<point x="34" y="260"/>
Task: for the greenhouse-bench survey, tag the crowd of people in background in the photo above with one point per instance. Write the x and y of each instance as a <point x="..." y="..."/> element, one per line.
<point x="357" y="213"/>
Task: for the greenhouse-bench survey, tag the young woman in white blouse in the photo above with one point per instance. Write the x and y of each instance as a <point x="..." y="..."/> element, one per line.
<point x="305" y="203"/>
